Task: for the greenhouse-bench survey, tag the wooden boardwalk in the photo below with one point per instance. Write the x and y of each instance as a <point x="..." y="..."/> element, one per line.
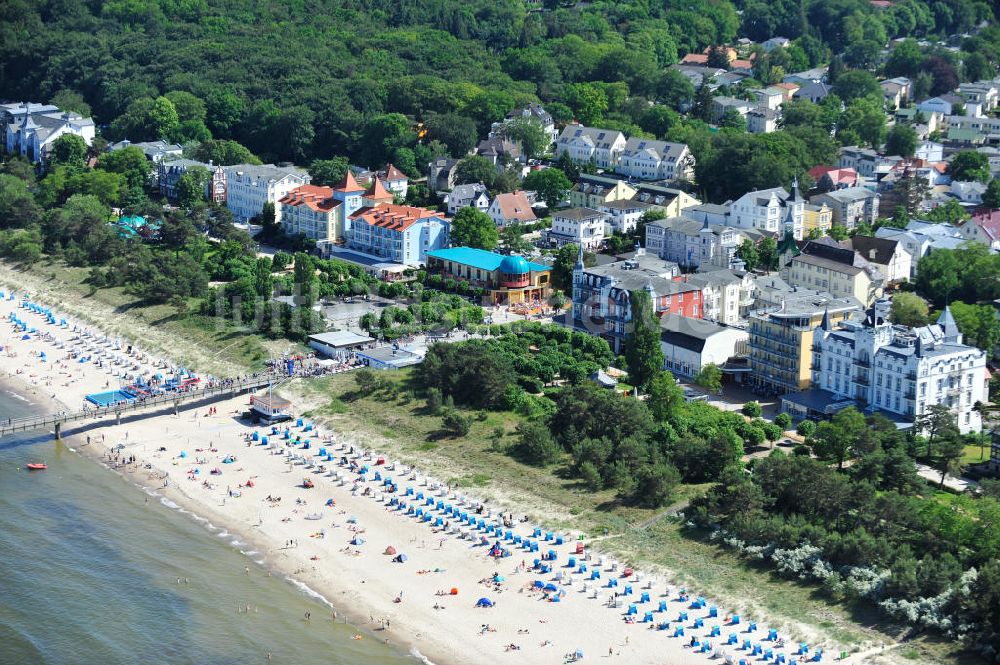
<point x="144" y="408"/>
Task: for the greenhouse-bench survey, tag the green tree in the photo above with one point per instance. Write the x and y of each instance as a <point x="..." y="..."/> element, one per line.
<point x="329" y="172"/>
<point x="130" y="162"/>
<point x="747" y="251"/>
<point x="535" y="444"/>
<point x="551" y="185"/>
<point x="950" y="212"/>
<point x="368" y="381"/>
<point x="752" y="409"/>
<point x="475" y="169"/>
<point x="905" y="59"/>
<point x="783" y="420"/>
<point x="857" y="84"/>
<point x="951" y="448"/>
<point x="192" y="186"/>
<point x="642" y="343"/>
<point x="862" y="122"/>
<point x="665" y="396"/>
<point x="978" y="324"/>
<point x="588" y="101"/>
<point x="654" y="485"/>
<point x="839" y="439"/>
<point x="709" y="378"/>
<point x="768" y="252"/>
<point x="473" y="228"/>
<point x="732" y="119"/>
<point x="902" y="141"/>
<point x="69" y="150"/>
<point x="225" y="153"/>
<point x="565" y="261"/>
<point x="147" y="119"/>
<point x="970" y="165"/>
<point x="187" y="106"/>
<point x="991" y="197"/>
<point x="908" y="309"/>
<point x="703" y="103"/>
<point x="455" y="131"/>
<point x="530" y="134"/>
<point x="456" y="422"/>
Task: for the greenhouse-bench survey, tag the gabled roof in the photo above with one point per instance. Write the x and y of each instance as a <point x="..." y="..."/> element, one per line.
<point x="392" y="173"/>
<point x="393" y="217"/>
<point x="349" y="184"/>
<point x="313" y="197"/>
<point x="989" y="222"/>
<point x="876" y="250"/>
<point x="514" y="206"/>
<point x="377" y="191"/>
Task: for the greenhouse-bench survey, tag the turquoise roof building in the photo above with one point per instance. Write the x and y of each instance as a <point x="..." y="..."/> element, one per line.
<point x="507" y="279"/>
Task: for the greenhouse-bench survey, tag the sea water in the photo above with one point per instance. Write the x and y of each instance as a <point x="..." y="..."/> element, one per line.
<point x="89" y="564"/>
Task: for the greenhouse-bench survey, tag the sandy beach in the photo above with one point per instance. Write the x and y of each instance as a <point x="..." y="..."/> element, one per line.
<point x="333" y="536"/>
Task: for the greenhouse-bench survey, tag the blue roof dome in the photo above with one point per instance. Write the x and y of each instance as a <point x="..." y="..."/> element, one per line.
<point x="514" y="265"/>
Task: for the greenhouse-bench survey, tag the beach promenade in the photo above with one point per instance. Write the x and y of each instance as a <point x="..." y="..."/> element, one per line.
<point x="385" y="545"/>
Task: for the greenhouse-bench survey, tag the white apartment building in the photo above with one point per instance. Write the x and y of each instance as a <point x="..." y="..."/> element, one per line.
<point x="583" y="144"/>
<point x="623" y="216"/>
<point x="899" y="370"/>
<point x="647" y="159"/>
<point x="31" y="129"/>
<point x="850" y="206"/>
<point x="581" y="226"/>
<point x="692" y="244"/>
<point x="473" y="195"/>
<point x="726" y="296"/>
<point x="249" y="187"/>
<point x="769" y="210"/>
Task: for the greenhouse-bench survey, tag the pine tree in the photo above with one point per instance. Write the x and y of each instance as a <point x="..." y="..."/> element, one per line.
<point x="642" y="344"/>
<point x="703" y="103"/>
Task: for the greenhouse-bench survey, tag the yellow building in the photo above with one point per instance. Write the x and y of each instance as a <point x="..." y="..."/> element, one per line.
<point x="781" y="338"/>
<point x="592" y="191"/>
<point x="816" y="217"/>
<point x="508" y="280"/>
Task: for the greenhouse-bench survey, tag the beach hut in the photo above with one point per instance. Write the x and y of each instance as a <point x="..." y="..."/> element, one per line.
<point x="647" y="617"/>
<point x="644" y="597"/>
<point x="484" y="602"/>
<point x="662" y="607"/>
<point x="772" y="635"/>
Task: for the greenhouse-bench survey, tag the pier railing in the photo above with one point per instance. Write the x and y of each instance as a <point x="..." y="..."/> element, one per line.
<point x="226" y="389"/>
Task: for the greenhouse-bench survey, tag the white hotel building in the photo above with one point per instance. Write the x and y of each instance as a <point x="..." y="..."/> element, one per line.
<point x="901" y="371"/>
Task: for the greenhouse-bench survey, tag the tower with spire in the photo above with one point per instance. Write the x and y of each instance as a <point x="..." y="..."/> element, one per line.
<point x="949" y="327"/>
<point x="349" y="193"/>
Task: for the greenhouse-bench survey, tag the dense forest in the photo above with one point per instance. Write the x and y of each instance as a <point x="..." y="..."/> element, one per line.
<point x="303" y="80"/>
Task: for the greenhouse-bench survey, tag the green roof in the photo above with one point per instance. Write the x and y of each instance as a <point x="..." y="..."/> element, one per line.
<point x="477" y="258"/>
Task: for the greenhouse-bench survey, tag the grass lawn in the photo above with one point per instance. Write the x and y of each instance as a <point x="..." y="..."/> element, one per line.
<point x="974" y="454"/>
<point x="397" y="422"/>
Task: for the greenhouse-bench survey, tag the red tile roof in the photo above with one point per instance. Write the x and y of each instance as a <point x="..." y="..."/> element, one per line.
<point x="515" y="207"/>
<point x="694" y="59"/>
<point x="392" y="173"/>
<point x="314" y="197"/>
<point x="378" y="193"/>
<point x="837" y="176"/>
<point x="394" y="217"/>
<point x="349" y="184"/>
<point x="989" y="222"/>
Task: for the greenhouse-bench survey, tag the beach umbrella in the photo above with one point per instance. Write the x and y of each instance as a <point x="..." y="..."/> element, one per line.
<point x="358" y="541"/>
<point x="484" y="602"/>
<point x="551" y="587"/>
<point x="390" y="550"/>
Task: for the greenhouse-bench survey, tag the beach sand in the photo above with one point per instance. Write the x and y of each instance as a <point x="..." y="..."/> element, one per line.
<point x="361" y="582"/>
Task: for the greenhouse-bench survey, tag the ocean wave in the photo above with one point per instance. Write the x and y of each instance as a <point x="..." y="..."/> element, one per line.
<point x="309" y="591"/>
<point x="168" y="503"/>
<point x="421" y="657"/>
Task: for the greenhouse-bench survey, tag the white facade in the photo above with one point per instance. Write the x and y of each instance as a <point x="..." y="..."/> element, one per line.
<point x="689" y="344"/>
<point x="583" y="144"/>
<point x="769" y="210"/>
<point x="623" y="216"/>
<point x="580" y="226"/>
<point x="468" y="196"/>
<point x="250" y="187"/>
<point x="31" y="129"/>
<point x="692" y="244"/>
<point x="901" y="370"/>
<point x="726" y="296"/>
<point x="647" y="159"/>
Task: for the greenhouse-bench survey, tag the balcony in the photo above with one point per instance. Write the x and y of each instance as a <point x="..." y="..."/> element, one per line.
<point x="910" y="394"/>
<point x="862" y="380"/>
<point x="911" y="376"/>
<point x="862" y="362"/>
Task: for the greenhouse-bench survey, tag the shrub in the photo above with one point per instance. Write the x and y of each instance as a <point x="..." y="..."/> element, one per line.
<point x="806" y="428"/>
<point x="783" y="420"/>
<point x="752" y="409"/>
<point x="456" y="422"/>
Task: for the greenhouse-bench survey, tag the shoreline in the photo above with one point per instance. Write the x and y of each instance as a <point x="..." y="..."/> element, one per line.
<point x="362" y="579"/>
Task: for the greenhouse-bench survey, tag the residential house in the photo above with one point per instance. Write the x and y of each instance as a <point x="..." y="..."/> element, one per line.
<point x="593" y="191"/>
<point x="824" y="265"/>
<point x="815" y="75"/>
<point x="623" y="216"/>
<point x="700" y="75"/>
<point x="829" y="177"/>
<point x="690" y="344"/>
<point x="788" y="89"/>
<point x="500" y="151"/>
<point x="762" y="121"/>
<point x="781" y="338"/>
<point x="250" y="186"/>
<point x="774" y="43"/>
<point x="770" y="98"/>
<point x="395" y="181"/>
<point x="816" y="218"/>
<point x="532" y="111"/>
<point x="726" y="294"/>
<point x="713" y="213"/>
<point x="968" y="193"/>
<point x="441" y="174"/>
<point x="507" y="280"/>
<point x="887" y="254"/>
<point x="648" y="159"/>
<point x="929" y="151"/>
<point x="401" y="234"/>
<point x="943" y="105"/>
<point x="691" y="243"/>
<point x="898" y="370"/>
<point x="584" y="227"/>
<point x="984" y="227"/>
<point x="851" y="205"/>
<point x="602" y="301"/>
<point x="31" y="129"/>
<point x="668" y="199"/>
<point x="170" y="171"/>
<point x="984" y="93"/>
<point x="325" y="214"/>
<point x="603" y="147"/>
<point x="896" y="91"/>
<point x="155" y="151"/>
<point x="864" y="161"/>
<point x="722" y="104"/>
<point x="814" y="91"/>
<point x="769" y="210"/>
<point x="511" y="208"/>
<point x="468" y="196"/>
<point x="919" y="238"/>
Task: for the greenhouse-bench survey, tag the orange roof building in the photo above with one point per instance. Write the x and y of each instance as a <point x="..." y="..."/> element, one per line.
<point x="377" y="194"/>
<point x="396" y="181"/>
<point x="397" y="233"/>
<point x="320" y="213"/>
